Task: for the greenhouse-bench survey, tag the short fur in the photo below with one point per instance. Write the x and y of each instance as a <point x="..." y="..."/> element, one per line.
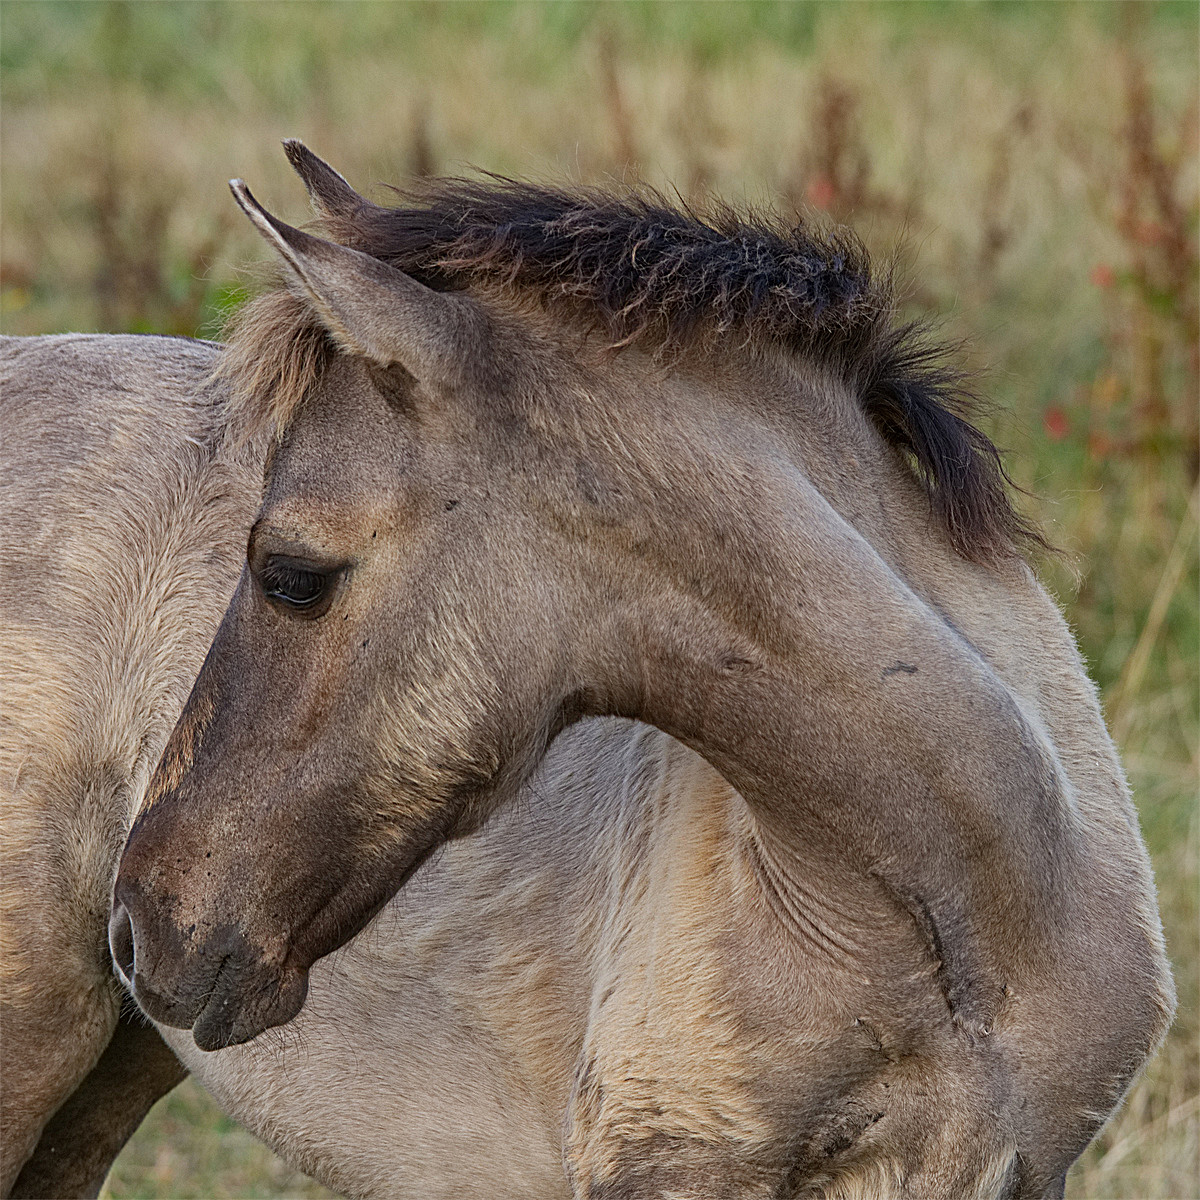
<point x="915" y="955"/>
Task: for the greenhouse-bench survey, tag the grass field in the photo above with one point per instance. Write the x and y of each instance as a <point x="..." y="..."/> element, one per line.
<point x="1033" y="166"/>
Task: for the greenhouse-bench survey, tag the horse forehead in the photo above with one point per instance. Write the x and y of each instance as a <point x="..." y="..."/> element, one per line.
<point x="345" y="419"/>
<point x="328" y="520"/>
<point x="343" y="446"/>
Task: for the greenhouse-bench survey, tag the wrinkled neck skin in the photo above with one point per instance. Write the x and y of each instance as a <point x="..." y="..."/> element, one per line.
<point x="798" y="620"/>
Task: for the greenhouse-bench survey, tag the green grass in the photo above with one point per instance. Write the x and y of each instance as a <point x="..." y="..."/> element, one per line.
<point x="187" y="1149"/>
<point x="1037" y="163"/>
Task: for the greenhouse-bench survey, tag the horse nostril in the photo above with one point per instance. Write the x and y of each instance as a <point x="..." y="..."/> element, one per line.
<point x="120" y="940"/>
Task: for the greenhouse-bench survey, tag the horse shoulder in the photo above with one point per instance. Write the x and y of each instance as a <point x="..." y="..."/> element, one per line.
<point x="1110" y="969"/>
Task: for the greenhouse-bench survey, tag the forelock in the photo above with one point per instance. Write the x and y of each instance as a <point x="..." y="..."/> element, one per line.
<point x="275" y="352"/>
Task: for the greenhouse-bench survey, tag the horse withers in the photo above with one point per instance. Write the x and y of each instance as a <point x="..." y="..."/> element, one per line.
<point x="545" y="455"/>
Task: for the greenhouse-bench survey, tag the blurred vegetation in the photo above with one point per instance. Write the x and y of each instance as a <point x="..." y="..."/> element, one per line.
<point x="1036" y="165"/>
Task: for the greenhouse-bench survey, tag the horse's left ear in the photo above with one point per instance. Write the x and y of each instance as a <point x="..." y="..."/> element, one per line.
<point x="371" y="308"/>
<point x="330" y="193"/>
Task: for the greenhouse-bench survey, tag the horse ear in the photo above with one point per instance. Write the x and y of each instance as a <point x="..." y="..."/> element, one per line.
<point x="373" y="309"/>
<point x="329" y="192"/>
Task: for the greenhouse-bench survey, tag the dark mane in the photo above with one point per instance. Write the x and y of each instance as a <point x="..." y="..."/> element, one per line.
<point x="640" y="269"/>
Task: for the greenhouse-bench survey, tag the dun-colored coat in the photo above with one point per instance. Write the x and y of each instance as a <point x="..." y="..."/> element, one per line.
<point x="123" y="512"/>
<point x="915" y="954"/>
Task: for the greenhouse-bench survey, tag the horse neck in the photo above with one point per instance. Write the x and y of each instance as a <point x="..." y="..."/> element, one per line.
<point x="768" y="557"/>
<point x="775" y="631"/>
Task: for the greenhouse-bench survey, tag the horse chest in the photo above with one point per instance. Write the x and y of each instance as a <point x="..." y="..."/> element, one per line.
<point x="535" y="997"/>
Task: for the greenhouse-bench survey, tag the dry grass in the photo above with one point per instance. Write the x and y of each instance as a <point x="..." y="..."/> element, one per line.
<point x="1038" y="163"/>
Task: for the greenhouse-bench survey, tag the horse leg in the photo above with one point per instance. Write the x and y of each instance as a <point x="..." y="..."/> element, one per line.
<point x="78" y="1146"/>
<point x="59" y="998"/>
<point x="52" y="1039"/>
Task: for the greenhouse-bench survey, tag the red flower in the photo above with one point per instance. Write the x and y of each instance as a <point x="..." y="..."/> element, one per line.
<point x="1055" y="423"/>
<point x="1103" y="275"/>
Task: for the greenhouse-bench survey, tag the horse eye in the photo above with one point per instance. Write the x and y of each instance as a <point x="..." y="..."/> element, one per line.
<point x="296" y="588"/>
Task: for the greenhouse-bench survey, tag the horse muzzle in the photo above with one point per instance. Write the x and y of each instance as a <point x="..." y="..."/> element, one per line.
<point x="221" y="987"/>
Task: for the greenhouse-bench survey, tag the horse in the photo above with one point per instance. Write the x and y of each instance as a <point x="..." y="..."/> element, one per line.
<point x="124" y="510"/>
<point x="77" y="358"/>
<point x="544" y="457"/>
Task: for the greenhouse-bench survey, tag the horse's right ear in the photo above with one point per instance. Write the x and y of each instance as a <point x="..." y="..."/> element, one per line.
<point x="329" y="192"/>
<point x="373" y="309"/>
